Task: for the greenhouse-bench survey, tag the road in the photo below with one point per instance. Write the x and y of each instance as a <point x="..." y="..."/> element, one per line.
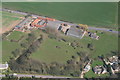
<point x="103" y="29"/>
<point x="90" y="27"/>
<point x="37" y="76"/>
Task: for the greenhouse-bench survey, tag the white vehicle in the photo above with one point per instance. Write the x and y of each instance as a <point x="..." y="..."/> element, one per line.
<point x="14" y="74"/>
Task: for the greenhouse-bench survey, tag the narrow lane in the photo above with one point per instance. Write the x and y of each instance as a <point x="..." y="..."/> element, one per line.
<point x="37" y="76"/>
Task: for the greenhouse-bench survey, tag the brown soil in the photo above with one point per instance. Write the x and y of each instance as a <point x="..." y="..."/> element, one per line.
<point x="3" y="29"/>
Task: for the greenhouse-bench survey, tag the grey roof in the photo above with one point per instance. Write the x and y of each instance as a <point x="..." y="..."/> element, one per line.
<point x="53" y="25"/>
<point x="75" y="32"/>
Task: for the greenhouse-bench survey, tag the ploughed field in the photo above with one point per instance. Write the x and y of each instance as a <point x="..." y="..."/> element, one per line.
<point x="98" y="14"/>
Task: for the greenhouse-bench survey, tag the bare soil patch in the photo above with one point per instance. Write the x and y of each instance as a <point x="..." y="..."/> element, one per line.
<point x="3" y="29"/>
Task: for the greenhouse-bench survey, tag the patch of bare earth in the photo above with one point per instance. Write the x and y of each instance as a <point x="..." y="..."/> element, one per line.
<point x="3" y="29"/>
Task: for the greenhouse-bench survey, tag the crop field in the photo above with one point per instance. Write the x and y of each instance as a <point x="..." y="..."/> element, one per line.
<point x="98" y="14"/>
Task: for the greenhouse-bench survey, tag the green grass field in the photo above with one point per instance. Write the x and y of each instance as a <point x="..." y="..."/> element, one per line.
<point x="108" y="42"/>
<point x="48" y="53"/>
<point x="16" y="35"/>
<point x="7" y="48"/>
<point x="99" y="14"/>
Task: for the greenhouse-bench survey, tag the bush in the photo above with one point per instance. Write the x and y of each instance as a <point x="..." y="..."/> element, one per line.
<point x="90" y="46"/>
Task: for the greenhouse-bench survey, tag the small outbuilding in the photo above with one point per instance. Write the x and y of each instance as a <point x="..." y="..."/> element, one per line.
<point x="3" y="66"/>
<point x="99" y="70"/>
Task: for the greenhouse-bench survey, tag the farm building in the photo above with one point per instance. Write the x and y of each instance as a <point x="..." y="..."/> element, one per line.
<point x="99" y="70"/>
<point x="24" y="22"/>
<point x="71" y="30"/>
<point x="64" y="28"/>
<point x="76" y="32"/>
<point x="24" y="25"/>
<point x="41" y="22"/>
<point x="93" y="35"/>
<point x="3" y="66"/>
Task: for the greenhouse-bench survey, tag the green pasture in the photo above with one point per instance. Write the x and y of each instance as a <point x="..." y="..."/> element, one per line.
<point x="7" y="48"/>
<point x="16" y="35"/>
<point x="49" y="53"/>
<point x="108" y="42"/>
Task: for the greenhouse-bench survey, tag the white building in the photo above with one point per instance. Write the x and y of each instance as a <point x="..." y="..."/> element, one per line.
<point x="3" y="66"/>
<point x="87" y="68"/>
